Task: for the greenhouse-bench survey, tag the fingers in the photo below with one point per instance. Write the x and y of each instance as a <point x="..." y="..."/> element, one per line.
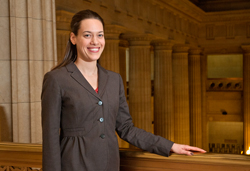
<point x="191" y="148"/>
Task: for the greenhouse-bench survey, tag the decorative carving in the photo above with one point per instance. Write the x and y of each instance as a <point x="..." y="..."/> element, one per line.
<point x="162" y="44"/>
<point x="17" y="168"/>
<point x="123" y="43"/>
<point x="195" y="51"/>
<point x="138" y="39"/>
<point x="179" y="48"/>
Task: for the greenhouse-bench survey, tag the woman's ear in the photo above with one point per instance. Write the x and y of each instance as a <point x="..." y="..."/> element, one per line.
<point x="73" y="38"/>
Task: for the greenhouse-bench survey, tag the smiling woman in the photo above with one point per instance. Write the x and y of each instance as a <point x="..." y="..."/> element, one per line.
<point x="87" y="104"/>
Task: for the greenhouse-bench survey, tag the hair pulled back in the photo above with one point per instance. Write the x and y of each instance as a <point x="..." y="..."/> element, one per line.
<point x="71" y="51"/>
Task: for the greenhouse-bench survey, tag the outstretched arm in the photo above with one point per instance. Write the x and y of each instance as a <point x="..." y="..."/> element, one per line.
<point x="186" y="149"/>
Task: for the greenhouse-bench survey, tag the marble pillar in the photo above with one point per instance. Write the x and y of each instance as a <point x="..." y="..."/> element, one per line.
<point x="28" y="51"/>
<point x="246" y="95"/>
<point x="181" y="94"/>
<point x="110" y="56"/>
<point x="140" y="80"/>
<point x="194" y="62"/>
<point x="163" y="90"/>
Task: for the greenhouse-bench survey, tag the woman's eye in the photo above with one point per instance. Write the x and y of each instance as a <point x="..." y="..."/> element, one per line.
<point x="87" y="35"/>
<point x="100" y="35"/>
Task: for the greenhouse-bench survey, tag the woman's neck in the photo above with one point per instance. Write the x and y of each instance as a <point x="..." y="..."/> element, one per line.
<point x="86" y="68"/>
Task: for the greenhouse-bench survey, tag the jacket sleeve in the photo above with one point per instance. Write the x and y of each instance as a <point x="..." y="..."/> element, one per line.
<point x="135" y="136"/>
<point x="51" y="111"/>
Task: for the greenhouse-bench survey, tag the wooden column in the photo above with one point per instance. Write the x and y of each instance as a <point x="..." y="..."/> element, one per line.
<point x="140" y="80"/>
<point x="123" y="46"/>
<point x="163" y="90"/>
<point x="110" y="56"/>
<point x="246" y="95"/>
<point x="181" y="94"/>
<point x="205" y="144"/>
<point x="195" y="96"/>
<point x="123" y="50"/>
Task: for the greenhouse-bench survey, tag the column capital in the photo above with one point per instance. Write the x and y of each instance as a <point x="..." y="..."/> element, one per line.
<point x="195" y="50"/>
<point x="136" y="39"/>
<point x="112" y="32"/>
<point x="181" y="48"/>
<point x="245" y="48"/>
<point x="124" y="43"/>
<point x="162" y="44"/>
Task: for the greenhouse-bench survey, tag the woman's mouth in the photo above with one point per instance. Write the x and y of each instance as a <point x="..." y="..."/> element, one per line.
<point x="93" y="49"/>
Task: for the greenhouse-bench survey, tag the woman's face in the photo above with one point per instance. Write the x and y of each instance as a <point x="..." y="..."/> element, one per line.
<point x="90" y="40"/>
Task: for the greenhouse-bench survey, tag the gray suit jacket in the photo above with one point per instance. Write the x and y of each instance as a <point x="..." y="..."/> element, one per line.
<point x="87" y="122"/>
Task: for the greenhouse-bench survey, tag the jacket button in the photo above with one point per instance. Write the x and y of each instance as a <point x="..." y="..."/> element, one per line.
<point x="100" y="103"/>
<point x="101" y="119"/>
<point x="102" y="136"/>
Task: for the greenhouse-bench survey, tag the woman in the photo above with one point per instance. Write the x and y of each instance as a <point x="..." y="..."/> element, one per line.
<point x="87" y="104"/>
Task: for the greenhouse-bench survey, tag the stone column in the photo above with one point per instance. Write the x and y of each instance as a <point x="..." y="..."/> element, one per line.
<point x="163" y="90"/>
<point x="28" y="51"/>
<point x="204" y="100"/>
<point x="246" y="95"/>
<point x="140" y="80"/>
<point x="5" y="76"/>
<point x="123" y="46"/>
<point x="195" y="96"/>
<point x="181" y="94"/>
<point x="110" y="56"/>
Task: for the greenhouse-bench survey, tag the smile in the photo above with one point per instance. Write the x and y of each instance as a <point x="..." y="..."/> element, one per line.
<point x="94" y="49"/>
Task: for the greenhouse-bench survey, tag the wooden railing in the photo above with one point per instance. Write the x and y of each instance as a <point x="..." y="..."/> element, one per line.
<point x="144" y="161"/>
<point x="28" y="157"/>
<point x="20" y="157"/>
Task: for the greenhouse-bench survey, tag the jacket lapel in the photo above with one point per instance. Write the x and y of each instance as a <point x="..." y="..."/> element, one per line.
<point x="77" y="76"/>
<point x="102" y="80"/>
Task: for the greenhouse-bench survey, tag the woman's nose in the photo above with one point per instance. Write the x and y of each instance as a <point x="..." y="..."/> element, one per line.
<point x="94" y="40"/>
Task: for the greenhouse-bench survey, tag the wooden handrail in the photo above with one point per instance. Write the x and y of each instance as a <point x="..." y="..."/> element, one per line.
<point x="28" y="157"/>
<point x="21" y="155"/>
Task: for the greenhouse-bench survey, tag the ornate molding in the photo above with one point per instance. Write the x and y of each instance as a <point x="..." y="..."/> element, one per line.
<point x="124" y="43"/>
<point x="113" y="31"/>
<point x="17" y="168"/>
<point x="161" y="44"/>
<point x="136" y="39"/>
<point x="179" y="48"/>
<point x="195" y="51"/>
<point x="239" y="15"/>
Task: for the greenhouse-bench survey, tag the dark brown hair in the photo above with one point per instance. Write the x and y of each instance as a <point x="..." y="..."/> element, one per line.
<point x="71" y="51"/>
